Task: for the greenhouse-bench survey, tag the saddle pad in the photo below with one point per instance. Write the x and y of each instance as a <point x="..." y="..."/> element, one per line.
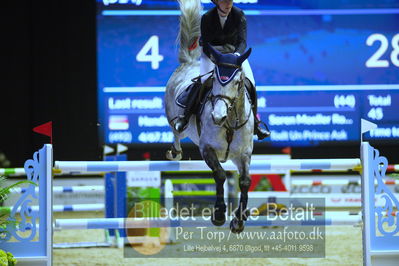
<point x="182" y="98"/>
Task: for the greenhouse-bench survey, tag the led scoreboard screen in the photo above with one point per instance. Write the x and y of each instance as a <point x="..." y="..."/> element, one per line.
<point x="320" y="66"/>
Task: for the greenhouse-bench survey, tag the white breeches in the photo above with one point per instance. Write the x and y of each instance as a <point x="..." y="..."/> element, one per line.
<point x="207" y="65"/>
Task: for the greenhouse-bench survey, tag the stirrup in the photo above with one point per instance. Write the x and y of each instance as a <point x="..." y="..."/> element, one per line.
<point x="260" y="132"/>
<point x="259" y="122"/>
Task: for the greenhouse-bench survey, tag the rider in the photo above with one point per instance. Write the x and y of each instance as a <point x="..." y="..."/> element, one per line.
<point x="223" y="25"/>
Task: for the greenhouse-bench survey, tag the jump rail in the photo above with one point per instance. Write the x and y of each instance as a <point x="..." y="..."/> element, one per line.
<point x="73" y="189"/>
<point x="12" y="171"/>
<point x="66" y="208"/>
<point x="333" y="182"/>
<point x="115" y="166"/>
<point x="21" y="171"/>
<point x="123" y="223"/>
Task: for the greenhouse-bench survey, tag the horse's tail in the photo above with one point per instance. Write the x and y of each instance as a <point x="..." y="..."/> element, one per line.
<point x="190" y="30"/>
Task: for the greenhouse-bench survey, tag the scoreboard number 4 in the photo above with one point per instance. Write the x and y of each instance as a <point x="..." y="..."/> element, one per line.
<point x="375" y="60"/>
<point x="150" y="52"/>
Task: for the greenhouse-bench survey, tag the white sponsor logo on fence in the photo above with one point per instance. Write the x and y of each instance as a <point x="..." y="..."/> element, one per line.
<point x="143" y="179"/>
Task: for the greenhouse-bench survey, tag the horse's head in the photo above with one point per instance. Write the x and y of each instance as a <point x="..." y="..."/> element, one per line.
<point x="228" y="83"/>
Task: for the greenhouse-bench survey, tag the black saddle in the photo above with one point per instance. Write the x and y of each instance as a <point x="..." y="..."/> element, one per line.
<point x="186" y="95"/>
<point x="194" y="94"/>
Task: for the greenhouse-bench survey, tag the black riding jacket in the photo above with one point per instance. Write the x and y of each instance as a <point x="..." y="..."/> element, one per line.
<point x="234" y="31"/>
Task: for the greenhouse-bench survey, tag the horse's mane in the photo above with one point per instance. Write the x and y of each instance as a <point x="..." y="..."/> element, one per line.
<point x="190" y="30"/>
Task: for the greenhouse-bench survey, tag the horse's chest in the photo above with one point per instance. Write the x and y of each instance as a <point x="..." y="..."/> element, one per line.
<point x="217" y="140"/>
<point x="224" y="143"/>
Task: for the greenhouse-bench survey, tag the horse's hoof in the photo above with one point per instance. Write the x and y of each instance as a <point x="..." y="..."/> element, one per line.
<point x="172" y="156"/>
<point x="236" y="226"/>
<point x="218" y="218"/>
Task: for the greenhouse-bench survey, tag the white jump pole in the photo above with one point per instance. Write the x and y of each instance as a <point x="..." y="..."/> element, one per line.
<point x="12" y="171"/>
<point x="124" y="166"/>
<point x="73" y="189"/>
<point x="125" y="223"/>
<point x="21" y="171"/>
<point x="334" y="182"/>
<point x="67" y="208"/>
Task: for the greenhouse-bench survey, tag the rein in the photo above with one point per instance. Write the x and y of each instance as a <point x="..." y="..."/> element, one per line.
<point x="200" y="76"/>
<point x="232" y="101"/>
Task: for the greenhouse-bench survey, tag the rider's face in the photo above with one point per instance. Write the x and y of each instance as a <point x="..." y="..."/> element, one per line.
<point x="225" y="6"/>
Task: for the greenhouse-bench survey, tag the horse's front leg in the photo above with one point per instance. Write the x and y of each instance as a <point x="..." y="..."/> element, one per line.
<point x="210" y="157"/>
<point x="241" y="214"/>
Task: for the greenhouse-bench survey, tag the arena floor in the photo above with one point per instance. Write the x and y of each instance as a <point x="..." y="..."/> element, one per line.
<point x="343" y="247"/>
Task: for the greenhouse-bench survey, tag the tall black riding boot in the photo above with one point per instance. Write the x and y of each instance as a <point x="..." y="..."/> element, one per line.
<point x="258" y="130"/>
<point x="191" y="106"/>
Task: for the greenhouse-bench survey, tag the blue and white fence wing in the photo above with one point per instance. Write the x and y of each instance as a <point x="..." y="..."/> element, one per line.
<point x="381" y="223"/>
<point x="31" y="240"/>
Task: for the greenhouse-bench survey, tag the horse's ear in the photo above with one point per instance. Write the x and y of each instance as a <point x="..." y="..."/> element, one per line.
<point x="244" y="56"/>
<point x="216" y="54"/>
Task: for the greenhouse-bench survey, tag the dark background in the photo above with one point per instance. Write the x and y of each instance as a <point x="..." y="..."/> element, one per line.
<point x="49" y="74"/>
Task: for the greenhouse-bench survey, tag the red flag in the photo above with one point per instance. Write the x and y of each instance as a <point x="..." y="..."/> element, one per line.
<point x="286" y="150"/>
<point x="45" y="129"/>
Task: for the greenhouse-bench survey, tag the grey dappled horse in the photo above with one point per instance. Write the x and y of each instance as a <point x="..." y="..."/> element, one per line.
<point x="226" y="121"/>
